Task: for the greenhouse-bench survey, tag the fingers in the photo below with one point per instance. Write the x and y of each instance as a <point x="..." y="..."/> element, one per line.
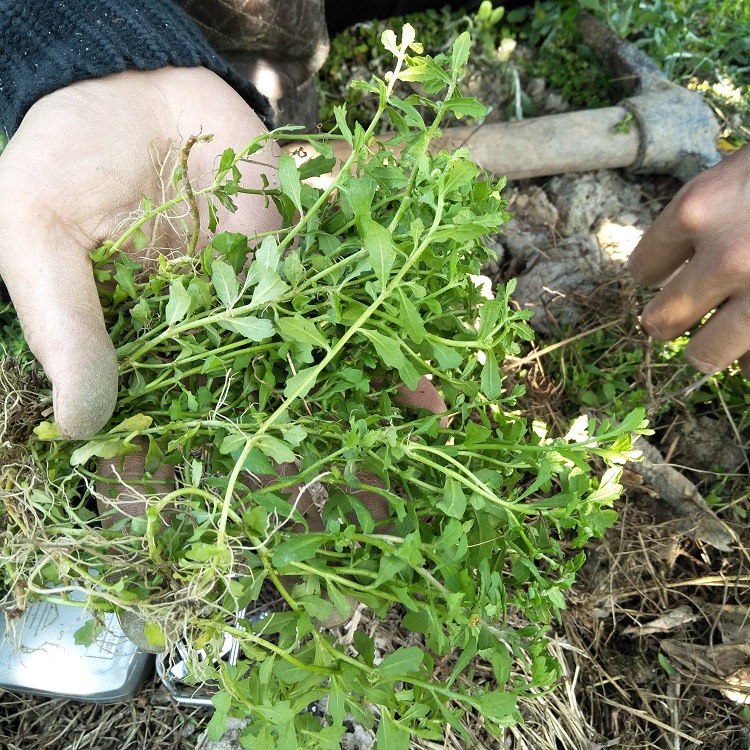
<point x="724" y="338"/>
<point x="664" y="247"/>
<point x="424" y="396"/>
<point x="201" y="102"/>
<point x="123" y="490"/>
<point x="711" y="209"/>
<point x="703" y="284"/>
<point x="699" y="250"/>
<point x="48" y="275"/>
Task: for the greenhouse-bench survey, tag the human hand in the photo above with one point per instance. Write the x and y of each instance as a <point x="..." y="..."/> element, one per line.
<point x="698" y="249"/>
<point x="124" y="492"/>
<point x="72" y="173"/>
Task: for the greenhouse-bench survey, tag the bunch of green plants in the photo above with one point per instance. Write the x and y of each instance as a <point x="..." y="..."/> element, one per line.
<point x="12" y="343"/>
<point x="282" y="355"/>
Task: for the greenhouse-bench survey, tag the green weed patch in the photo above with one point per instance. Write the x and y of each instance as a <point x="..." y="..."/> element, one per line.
<point x="288" y="367"/>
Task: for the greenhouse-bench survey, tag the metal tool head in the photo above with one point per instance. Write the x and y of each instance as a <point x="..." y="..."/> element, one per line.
<point x="679" y="132"/>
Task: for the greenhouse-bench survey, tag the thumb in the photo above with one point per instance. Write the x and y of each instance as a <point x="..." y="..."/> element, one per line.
<point x="51" y="283"/>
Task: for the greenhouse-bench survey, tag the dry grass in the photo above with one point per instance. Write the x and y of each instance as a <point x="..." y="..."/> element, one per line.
<point x="149" y="722"/>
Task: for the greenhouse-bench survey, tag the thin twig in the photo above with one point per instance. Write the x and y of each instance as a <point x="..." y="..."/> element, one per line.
<point x="516" y="363"/>
<point x="189" y="194"/>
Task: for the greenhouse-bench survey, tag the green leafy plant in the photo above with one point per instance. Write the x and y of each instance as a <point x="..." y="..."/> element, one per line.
<point x="280" y="357"/>
<point x="486" y="24"/>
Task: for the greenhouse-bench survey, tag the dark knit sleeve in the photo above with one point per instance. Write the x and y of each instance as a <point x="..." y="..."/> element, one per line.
<point x="48" y="44"/>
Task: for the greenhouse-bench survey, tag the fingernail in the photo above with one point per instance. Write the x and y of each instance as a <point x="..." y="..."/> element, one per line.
<point x="651" y="329"/>
<point x="704" y="367"/>
<point x="85" y="397"/>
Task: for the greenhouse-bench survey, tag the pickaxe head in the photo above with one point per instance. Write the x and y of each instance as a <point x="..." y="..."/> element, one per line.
<point x="679" y="131"/>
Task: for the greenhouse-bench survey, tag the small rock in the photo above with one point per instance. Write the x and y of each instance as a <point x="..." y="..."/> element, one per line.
<point x="618" y="240"/>
<point x="554" y="102"/>
<point x="706" y="442"/>
<point x="584" y="200"/>
<point x="524" y="244"/>
<point x="358" y="739"/>
<point x="536" y="88"/>
<point x="539" y="210"/>
<point x="230" y="740"/>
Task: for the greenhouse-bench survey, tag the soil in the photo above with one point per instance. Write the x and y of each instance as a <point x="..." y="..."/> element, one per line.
<point x="655" y="640"/>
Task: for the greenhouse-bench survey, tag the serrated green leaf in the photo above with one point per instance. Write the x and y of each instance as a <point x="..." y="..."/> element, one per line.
<point x="124" y="277"/>
<point x="225" y="282"/>
<point x="294" y="434"/>
<point x="227" y="161"/>
<point x="268" y="255"/>
<point x="339" y="113"/>
<point x="140" y="239"/>
<point x="402" y="662"/>
<point x="469" y="107"/>
<point x="232" y="247"/>
<point x="154" y="635"/>
<point x="252" y="328"/>
<point x="453" y="502"/>
<point x="460" y="56"/>
<point x="136" y="423"/>
<point x="317" y="607"/>
<point x="337" y="700"/>
<point x="341" y="603"/>
<point x="388" y="349"/>
<point x="47" y="431"/>
<point x="497" y="705"/>
<point x="391" y="735"/>
<point x="87" y="634"/>
<point x="287" y="737"/>
<point x="276" y="449"/>
<point x="411" y="319"/>
<point x="293" y="270"/>
<point x="476" y="433"/>
<point x="389" y="41"/>
<point x="178" y="304"/>
<point x="295" y="549"/>
<point x="303" y="382"/>
<point x="217" y="726"/>
<point x="231" y="443"/>
<point x="448" y="357"/>
<point x="365" y="647"/>
<point x="317" y="166"/>
<point x="105" y="449"/>
<point x="269" y="288"/>
<point x="289" y="179"/>
<point x="408" y="375"/>
<point x="297" y="328"/>
<point x="380" y="248"/>
<point x="492" y="383"/>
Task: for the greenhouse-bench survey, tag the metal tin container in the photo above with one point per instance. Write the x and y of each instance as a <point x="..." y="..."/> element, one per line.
<point x="38" y="654"/>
